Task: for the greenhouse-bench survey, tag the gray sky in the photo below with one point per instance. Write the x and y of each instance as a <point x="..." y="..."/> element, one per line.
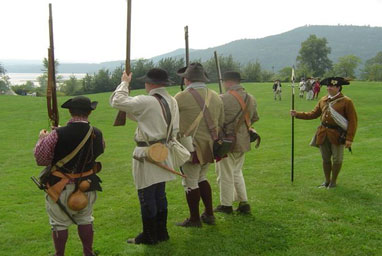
<point x="94" y="30"/>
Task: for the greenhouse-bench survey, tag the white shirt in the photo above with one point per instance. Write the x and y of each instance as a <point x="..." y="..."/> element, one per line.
<point x="152" y="126"/>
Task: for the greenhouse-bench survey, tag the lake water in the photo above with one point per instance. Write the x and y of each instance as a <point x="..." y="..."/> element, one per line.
<point x="21" y="78"/>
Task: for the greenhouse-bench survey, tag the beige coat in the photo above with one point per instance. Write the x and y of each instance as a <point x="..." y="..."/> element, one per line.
<point x="345" y="107"/>
<point x="189" y="109"/>
<point x="147" y="112"/>
<point x="231" y="119"/>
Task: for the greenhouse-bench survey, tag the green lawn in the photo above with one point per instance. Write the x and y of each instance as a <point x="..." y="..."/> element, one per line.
<point x="288" y="219"/>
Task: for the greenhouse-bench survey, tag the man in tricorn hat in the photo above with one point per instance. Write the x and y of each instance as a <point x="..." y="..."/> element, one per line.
<point x="229" y="169"/>
<point x="78" y="169"/>
<point x="193" y="103"/>
<point x="157" y="118"/>
<point x="337" y="129"/>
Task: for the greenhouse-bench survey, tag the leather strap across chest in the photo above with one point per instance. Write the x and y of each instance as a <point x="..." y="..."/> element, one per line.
<point x="244" y="107"/>
<point x="206" y="113"/>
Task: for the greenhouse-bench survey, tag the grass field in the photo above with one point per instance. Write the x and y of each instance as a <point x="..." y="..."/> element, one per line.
<point x="288" y="219"/>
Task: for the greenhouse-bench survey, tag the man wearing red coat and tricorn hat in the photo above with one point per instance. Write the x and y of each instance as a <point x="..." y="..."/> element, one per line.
<point x="337" y="129"/>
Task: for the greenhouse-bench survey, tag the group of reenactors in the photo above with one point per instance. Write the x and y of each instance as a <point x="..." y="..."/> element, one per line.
<point x="196" y="112"/>
<point x="311" y="86"/>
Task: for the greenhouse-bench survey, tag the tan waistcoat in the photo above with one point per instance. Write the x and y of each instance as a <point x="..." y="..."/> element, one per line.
<point x="231" y="117"/>
<point x="189" y="109"/>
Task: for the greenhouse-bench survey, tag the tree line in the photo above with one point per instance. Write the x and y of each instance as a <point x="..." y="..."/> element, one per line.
<point x="312" y="61"/>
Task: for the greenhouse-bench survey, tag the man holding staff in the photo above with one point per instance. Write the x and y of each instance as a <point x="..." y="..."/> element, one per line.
<point x="337" y="129"/>
<point x="157" y="117"/>
<point x="229" y="169"/>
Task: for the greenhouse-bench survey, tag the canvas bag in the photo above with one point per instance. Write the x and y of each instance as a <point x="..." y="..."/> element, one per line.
<point x="178" y="152"/>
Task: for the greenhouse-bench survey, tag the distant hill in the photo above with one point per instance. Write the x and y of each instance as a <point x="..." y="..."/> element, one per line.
<point x="281" y="50"/>
<point x="275" y="51"/>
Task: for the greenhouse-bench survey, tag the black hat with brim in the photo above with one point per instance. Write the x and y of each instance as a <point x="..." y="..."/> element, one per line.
<point x="232" y="76"/>
<point x="194" y="72"/>
<point x="335" y="81"/>
<point x="156" y="76"/>
<point x="80" y="102"/>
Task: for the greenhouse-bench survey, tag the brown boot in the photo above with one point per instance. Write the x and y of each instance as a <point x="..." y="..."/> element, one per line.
<point x="206" y="195"/>
<point x="335" y="171"/>
<point x="193" y="198"/>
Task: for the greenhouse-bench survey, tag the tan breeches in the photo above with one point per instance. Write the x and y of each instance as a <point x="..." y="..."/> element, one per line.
<point x="59" y="220"/>
<point x="329" y="150"/>
<point x="230" y="179"/>
<point x="195" y="173"/>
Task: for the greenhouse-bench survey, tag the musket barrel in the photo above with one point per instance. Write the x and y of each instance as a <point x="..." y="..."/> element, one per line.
<point x="218" y="71"/>
<point x="186" y="48"/>
<point x="128" y="37"/>
<point x="51" y="86"/>
<point x="120" y="120"/>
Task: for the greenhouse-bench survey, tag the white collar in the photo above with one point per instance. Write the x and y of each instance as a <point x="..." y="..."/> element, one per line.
<point x="332" y="97"/>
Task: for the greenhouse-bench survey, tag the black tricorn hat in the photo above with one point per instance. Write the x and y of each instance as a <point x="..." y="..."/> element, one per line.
<point x="334" y="81"/>
<point x="232" y="75"/>
<point x="194" y="72"/>
<point x="80" y="102"/>
<point x="156" y="76"/>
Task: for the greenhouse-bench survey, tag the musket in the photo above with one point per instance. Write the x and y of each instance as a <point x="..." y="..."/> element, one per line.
<point x="120" y="120"/>
<point x="187" y="53"/>
<point x="292" y="154"/>
<point x="218" y="72"/>
<point x="58" y="202"/>
<point x="51" y="95"/>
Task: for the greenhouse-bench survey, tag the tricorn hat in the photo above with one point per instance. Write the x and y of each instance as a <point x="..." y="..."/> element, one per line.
<point x="232" y="75"/>
<point x="334" y="81"/>
<point x="194" y="72"/>
<point x="156" y="76"/>
<point x="80" y="102"/>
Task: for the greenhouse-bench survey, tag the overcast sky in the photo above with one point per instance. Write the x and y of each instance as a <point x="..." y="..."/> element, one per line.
<point x="94" y="30"/>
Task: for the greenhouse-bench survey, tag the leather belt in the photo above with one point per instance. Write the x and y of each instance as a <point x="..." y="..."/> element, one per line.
<point x="72" y="175"/>
<point x="144" y="143"/>
<point x="330" y="126"/>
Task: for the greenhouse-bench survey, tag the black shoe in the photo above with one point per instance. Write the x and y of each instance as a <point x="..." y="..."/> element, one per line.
<point x="208" y="219"/>
<point x="324" y="185"/>
<point x="224" y="209"/>
<point x="149" y="234"/>
<point x="244" y="208"/>
<point x="187" y="223"/>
